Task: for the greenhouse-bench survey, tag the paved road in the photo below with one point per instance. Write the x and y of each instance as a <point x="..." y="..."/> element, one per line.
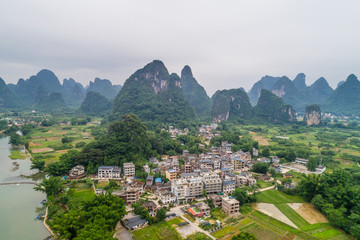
<point x="180" y="213"/>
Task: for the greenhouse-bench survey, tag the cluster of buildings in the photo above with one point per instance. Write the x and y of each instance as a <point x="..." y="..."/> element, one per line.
<point x="208" y="131"/>
<point x="214" y="173"/>
<point x="176" y="132"/>
<point x="114" y="172"/>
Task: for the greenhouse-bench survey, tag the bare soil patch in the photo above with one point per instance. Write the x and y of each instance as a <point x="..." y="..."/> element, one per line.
<point x="272" y="211"/>
<point x="40" y="150"/>
<point x="260" y="139"/>
<point x="85" y="134"/>
<point x="49" y="131"/>
<point x="308" y="212"/>
<point x="32" y="144"/>
<point x="62" y="151"/>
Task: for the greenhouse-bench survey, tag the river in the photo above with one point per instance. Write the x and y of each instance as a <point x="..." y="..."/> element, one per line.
<point x="19" y="204"/>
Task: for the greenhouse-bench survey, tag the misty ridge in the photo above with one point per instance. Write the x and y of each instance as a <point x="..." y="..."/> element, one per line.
<point x="155" y="94"/>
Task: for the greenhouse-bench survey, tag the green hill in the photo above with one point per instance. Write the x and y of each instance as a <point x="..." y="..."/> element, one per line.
<point x="272" y="108"/>
<point x="7" y="98"/>
<point x="195" y="94"/>
<point x="52" y="103"/>
<point x="153" y="95"/>
<point x="346" y="98"/>
<point x="95" y="104"/>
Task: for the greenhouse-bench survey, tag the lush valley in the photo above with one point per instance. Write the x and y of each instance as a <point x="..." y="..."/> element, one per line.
<point x="160" y="123"/>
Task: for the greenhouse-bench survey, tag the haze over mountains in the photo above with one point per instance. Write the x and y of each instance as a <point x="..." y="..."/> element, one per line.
<point x="44" y="91"/>
<point x="156" y="95"/>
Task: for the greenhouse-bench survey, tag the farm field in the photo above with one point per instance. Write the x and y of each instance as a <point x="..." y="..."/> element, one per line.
<point x="277" y="197"/>
<point x="308" y="212"/>
<point x="292" y="215"/>
<point x="339" y="146"/>
<point x="46" y="142"/>
<point x="161" y="231"/>
<point x="308" y="223"/>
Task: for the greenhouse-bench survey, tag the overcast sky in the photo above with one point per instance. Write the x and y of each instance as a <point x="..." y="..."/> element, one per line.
<point x="228" y="44"/>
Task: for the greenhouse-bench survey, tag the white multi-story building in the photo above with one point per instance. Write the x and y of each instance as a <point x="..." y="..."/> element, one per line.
<point x="109" y="172"/>
<point x="195" y="187"/>
<point x="129" y="170"/>
<point x="167" y="197"/>
<point x="179" y="188"/>
<point x="212" y="183"/>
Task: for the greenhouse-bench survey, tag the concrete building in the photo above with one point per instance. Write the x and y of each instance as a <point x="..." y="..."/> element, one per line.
<point x="109" y="172"/>
<point x="216" y="200"/>
<point x="203" y="208"/>
<point x="151" y="207"/>
<point x="129" y="170"/>
<point x="238" y="163"/>
<point x="179" y="188"/>
<point x="228" y="186"/>
<point x="170" y="174"/>
<point x="212" y="183"/>
<point x="132" y="195"/>
<point x="167" y="197"/>
<point x="230" y="205"/>
<point x="188" y="168"/>
<point x="195" y="187"/>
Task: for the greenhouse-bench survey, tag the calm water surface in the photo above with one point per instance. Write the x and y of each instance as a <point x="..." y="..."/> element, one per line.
<point x="19" y="204"/>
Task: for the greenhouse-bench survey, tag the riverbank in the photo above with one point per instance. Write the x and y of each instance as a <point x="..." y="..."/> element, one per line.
<point x="20" y="202"/>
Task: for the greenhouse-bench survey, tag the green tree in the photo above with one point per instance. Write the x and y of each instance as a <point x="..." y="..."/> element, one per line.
<point x="311" y="164"/>
<point x="265" y="152"/>
<point x="244" y="236"/>
<point x="161" y="214"/>
<point x="242" y="196"/>
<point x="51" y="186"/>
<point x="260" y="167"/>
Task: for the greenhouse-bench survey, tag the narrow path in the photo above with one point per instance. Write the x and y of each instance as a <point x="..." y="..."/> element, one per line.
<point x="265" y="189"/>
<point x="45" y="224"/>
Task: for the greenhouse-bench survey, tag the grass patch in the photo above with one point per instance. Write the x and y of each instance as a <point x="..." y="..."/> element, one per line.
<point x="327" y="234"/>
<point x="188" y="217"/>
<point x="218" y="214"/>
<point x="221" y="233"/>
<point x="292" y="215"/>
<point x="277" y="197"/>
<point x="263" y="184"/>
<point x="263" y="233"/>
<point x="84" y="195"/>
<point x="160" y="231"/>
<point x="16" y="154"/>
<point x="278" y="226"/>
<point x="324" y="231"/>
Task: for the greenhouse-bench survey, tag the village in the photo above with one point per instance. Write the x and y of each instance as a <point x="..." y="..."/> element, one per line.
<point x="190" y="186"/>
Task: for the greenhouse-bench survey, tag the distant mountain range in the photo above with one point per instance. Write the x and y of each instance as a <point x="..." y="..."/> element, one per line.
<point x="41" y="90"/>
<point x="156" y="95"/>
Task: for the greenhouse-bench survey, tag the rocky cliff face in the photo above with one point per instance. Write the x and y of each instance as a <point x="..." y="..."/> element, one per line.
<point x="312" y="115"/>
<point x="233" y="103"/>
